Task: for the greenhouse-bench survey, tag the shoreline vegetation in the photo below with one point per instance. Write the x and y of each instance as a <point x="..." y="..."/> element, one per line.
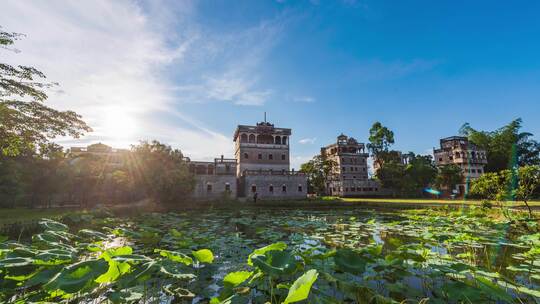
<point x="22" y="215"/>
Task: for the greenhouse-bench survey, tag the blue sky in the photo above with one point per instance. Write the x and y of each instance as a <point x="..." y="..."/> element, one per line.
<point x="188" y="72"/>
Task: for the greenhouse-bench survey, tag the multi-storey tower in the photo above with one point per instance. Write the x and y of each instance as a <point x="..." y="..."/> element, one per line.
<point x="460" y="151"/>
<point x="261" y="147"/>
<point x="262" y="155"/>
<point x="349" y="176"/>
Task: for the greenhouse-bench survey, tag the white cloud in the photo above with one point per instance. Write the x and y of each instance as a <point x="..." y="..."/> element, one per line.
<point x="306" y="99"/>
<point x="113" y="60"/>
<point x="305" y="141"/>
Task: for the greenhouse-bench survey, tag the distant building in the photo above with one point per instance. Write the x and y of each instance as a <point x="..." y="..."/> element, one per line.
<point x="261" y="165"/>
<point x="263" y="157"/>
<point x="349" y="177"/>
<point x="459" y="151"/>
<point x="215" y="179"/>
<point x="113" y="157"/>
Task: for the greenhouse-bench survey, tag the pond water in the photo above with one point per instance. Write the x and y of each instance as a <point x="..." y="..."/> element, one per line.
<point x="360" y="255"/>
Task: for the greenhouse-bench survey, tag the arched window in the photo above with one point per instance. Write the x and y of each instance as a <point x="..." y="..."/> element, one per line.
<point x="208" y="187"/>
<point x="243" y="138"/>
<point x="246" y="156"/>
<point x="283" y="188"/>
<point x="227" y="187"/>
<point x="251" y="138"/>
<point x="253" y="188"/>
<point x="277" y="140"/>
<point x="270" y="156"/>
<point x="265" y="139"/>
<point x="284" y="140"/>
<point x="271" y="189"/>
<point x="300" y="188"/>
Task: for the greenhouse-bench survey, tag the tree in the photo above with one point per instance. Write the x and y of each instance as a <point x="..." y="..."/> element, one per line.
<point x="449" y="176"/>
<point x="528" y="183"/>
<point x="420" y="172"/>
<point x="491" y="186"/>
<point x="318" y="170"/>
<point x="25" y="122"/>
<point x="161" y="172"/>
<point x="392" y="176"/>
<point x="504" y="145"/>
<point x="380" y="140"/>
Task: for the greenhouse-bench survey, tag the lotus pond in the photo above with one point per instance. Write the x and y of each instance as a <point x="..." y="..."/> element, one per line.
<point x="270" y="255"/>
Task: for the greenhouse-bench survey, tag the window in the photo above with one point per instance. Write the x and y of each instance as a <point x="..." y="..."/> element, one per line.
<point x="284" y="188"/>
<point x="480" y="171"/>
<point x="260" y="156"/>
<point x="251" y="138"/>
<point x="271" y="189"/>
<point x="243" y="138"/>
<point x="299" y="188"/>
<point x="253" y="188"/>
<point x="473" y="170"/>
<point x="282" y="156"/>
<point x="270" y="156"/>
<point x="376" y="189"/>
<point x="278" y="140"/>
<point x="227" y="187"/>
<point x="354" y="176"/>
<point x="284" y="140"/>
<point x="346" y="189"/>
<point x="440" y="159"/>
<point x="209" y="188"/>
<point x="364" y="169"/>
<point x="227" y="168"/>
<point x="353" y="189"/>
<point x="246" y="156"/>
<point x="344" y="169"/>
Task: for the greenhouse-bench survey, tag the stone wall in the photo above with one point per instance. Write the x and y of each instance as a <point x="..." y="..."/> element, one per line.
<point x="274" y="186"/>
<point x="215" y="187"/>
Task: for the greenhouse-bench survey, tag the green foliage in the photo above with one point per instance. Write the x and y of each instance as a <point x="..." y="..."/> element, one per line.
<point x="318" y="170"/>
<point x="319" y="256"/>
<point x="25" y="122"/>
<point x="162" y="172"/>
<point x="407" y="175"/>
<point x="503" y="144"/>
<point x="301" y="287"/>
<point x="449" y="176"/>
<point x="204" y="255"/>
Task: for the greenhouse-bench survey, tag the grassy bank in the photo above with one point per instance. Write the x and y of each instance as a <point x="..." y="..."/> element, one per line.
<point x="414" y="201"/>
<point x="18" y="215"/>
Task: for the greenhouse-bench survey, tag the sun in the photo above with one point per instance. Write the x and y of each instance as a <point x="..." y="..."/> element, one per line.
<point x="119" y="124"/>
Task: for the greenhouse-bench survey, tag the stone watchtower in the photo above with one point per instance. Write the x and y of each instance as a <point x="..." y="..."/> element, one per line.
<point x="349" y="176"/>
<point x="261" y="147"/>
<point x="263" y="163"/>
<point x="460" y="151"/>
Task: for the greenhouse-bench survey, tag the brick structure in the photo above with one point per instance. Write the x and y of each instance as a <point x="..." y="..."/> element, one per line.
<point x="459" y="151"/>
<point x="261" y="165"/>
<point x="349" y="176"/>
<point x="214" y="180"/>
<point x="263" y="157"/>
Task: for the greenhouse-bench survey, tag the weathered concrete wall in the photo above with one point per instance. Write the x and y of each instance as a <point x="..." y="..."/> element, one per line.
<point x="275" y="186"/>
<point x="352" y="188"/>
<point x="215" y="186"/>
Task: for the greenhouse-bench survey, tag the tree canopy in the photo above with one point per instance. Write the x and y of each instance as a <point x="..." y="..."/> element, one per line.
<point x="505" y="144"/>
<point x="25" y="121"/>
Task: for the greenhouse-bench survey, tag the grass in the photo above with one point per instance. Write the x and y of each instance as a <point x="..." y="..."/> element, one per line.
<point x="9" y="216"/>
<point x="415" y="201"/>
